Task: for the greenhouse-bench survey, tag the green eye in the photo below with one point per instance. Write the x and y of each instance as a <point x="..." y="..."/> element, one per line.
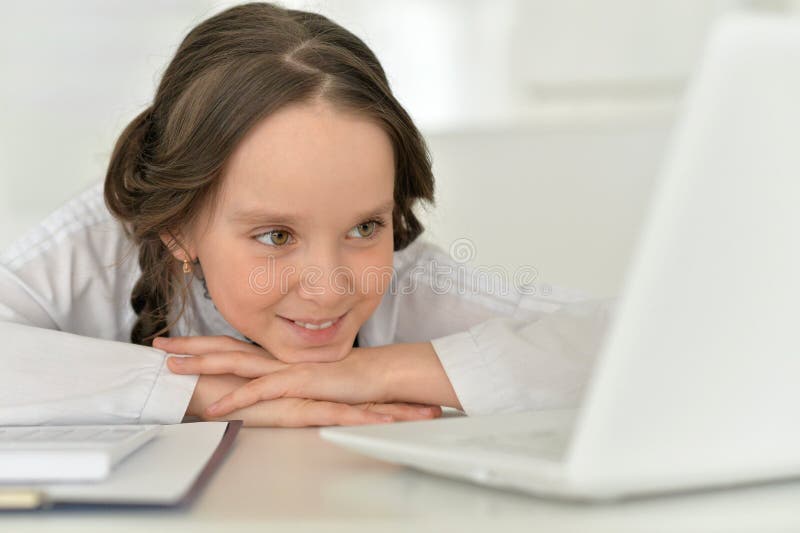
<point x="278" y="238"/>
<point x="274" y="237"/>
<point x="366" y="229"/>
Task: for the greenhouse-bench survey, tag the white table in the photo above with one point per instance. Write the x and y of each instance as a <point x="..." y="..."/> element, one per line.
<point x="291" y="480"/>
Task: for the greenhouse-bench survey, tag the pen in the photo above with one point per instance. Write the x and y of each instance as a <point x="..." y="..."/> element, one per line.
<point x="21" y="498"/>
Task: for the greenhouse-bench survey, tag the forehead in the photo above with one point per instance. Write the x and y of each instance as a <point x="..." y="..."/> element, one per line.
<point x="310" y="156"/>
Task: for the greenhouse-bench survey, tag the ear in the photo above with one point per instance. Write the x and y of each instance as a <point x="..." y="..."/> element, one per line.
<point x="180" y="248"/>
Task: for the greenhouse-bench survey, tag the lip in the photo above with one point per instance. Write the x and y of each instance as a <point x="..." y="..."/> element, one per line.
<point x="313" y="321"/>
<point x="315" y="336"/>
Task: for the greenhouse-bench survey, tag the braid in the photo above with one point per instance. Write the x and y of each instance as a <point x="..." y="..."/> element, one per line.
<point x="150" y="296"/>
<point x="128" y="194"/>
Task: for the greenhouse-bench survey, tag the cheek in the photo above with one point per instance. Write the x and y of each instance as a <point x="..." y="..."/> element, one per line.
<point x="373" y="273"/>
<point x="238" y="285"/>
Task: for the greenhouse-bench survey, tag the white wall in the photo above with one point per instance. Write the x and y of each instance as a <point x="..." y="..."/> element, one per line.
<point x="567" y="201"/>
<point x="72" y="74"/>
<point x="547" y="120"/>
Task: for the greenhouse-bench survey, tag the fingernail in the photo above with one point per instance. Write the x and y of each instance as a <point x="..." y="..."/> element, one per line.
<point x="177" y="360"/>
<point x="213" y="408"/>
<point x="387" y="418"/>
<point x="161" y="340"/>
<point x="425" y="411"/>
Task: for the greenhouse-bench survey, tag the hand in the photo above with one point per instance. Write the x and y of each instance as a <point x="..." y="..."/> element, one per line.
<point x="365" y="375"/>
<point x="197" y="345"/>
<point x="287" y="412"/>
<point x="297" y="412"/>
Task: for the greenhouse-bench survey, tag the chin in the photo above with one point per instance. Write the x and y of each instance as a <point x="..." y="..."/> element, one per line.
<point x="322" y="354"/>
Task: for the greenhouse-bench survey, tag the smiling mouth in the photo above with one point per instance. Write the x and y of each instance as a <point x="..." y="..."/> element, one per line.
<point x="316" y="324"/>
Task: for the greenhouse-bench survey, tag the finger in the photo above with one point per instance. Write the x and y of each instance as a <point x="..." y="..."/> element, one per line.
<point x="297" y="412"/>
<point x="199" y="345"/>
<point x="247" y="365"/>
<point x="316" y="413"/>
<point x="421" y="405"/>
<point x="244" y="396"/>
<point x="279" y="384"/>
<point x="300" y="412"/>
<point x="402" y="411"/>
<point x="405" y="412"/>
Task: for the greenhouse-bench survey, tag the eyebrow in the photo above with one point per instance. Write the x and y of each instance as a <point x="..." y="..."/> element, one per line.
<point x="256" y="215"/>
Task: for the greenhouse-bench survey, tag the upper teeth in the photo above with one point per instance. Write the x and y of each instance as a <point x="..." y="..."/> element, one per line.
<point x="324" y="325"/>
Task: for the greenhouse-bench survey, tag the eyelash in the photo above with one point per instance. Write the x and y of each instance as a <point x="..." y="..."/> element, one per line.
<point x="379" y="225"/>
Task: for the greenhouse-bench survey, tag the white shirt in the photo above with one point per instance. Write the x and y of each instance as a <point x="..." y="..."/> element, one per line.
<point x="65" y="319"/>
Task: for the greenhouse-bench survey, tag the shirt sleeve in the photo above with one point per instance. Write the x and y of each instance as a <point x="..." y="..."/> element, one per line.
<point x="506" y="344"/>
<point x="53" y="377"/>
<point x="63" y="324"/>
<point x="506" y="364"/>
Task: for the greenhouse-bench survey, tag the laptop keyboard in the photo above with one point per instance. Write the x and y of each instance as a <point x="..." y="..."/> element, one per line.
<point x="549" y="445"/>
<point x="53" y="434"/>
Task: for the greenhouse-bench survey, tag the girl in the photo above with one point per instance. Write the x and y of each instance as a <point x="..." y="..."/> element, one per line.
<point x="259" y="216"/>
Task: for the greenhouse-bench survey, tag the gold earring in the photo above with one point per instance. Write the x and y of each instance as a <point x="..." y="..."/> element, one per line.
<point x="187" y="268"/>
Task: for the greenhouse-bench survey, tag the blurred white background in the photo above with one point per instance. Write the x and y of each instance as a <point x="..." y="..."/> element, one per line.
<point x="547" y="119"/>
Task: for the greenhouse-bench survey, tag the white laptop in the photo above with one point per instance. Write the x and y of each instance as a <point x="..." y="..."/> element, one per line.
<point x="698" y="380"/>
<point x="33" y="454"/>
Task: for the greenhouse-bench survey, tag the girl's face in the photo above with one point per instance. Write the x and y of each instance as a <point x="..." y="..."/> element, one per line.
<point x="302" y="230"/>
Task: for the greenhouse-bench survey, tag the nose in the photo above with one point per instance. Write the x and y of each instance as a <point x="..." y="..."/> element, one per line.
<point x="324" y="278"/>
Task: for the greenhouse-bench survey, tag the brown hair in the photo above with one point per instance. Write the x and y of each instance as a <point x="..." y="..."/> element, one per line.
<point x="231" y="71"/>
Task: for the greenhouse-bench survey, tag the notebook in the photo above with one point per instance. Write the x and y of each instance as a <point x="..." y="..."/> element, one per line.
<point x="30" y="454"/>
<point x="167" y="466"/>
